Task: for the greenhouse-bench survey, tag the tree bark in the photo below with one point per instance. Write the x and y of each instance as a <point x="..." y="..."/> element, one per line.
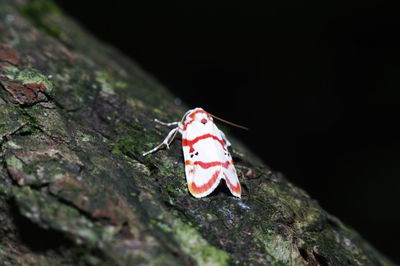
<point x="75" y="117"/>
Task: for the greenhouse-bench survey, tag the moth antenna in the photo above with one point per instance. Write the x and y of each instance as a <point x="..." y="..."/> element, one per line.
<point x="229" y="123"/>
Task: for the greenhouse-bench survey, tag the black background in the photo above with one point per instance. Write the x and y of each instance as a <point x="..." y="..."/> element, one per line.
<point x="318" y="85"/>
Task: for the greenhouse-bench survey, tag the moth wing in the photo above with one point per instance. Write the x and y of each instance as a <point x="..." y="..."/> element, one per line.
<point x="201" y="182"/>
<point x="202" y="178"/>
<point x="232" y="180"/>
<point x="228" y="169"/>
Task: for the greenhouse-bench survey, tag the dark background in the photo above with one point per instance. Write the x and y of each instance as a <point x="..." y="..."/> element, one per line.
<point x="318" y="85"/>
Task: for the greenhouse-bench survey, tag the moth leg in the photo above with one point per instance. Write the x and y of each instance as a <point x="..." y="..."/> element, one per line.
<point x="166" y="141"/>
<point x="166" y="124"/>
<point x="224" y="138"/>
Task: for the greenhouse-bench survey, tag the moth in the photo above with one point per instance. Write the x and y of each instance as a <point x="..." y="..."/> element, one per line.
<point x="205" y="149"/>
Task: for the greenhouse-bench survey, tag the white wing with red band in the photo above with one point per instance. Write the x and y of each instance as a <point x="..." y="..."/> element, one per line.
<point x="207" y="159"/>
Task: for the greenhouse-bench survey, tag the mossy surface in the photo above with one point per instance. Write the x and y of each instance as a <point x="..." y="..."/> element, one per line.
<point x="28" y="75"/>
<point x="36" y="10"/>
<point x="194" y="245"/>
<point x="72" y="170"/>
<point x="107" y="83"/>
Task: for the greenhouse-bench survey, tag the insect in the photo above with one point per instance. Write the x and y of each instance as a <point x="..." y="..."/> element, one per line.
<point x="205" y="149"/>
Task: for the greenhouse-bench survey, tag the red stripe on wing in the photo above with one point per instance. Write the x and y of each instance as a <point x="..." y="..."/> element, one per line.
<point x="212" y="164"/>
<point x="236" y="188"/>
<point x="191" y="142"/>
<point x="196" y="190"/>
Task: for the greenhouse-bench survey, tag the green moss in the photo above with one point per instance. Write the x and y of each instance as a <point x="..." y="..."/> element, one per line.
<point x="29" y="129"/>
<point x="194" y="245"/>
<point x="48" y="213"/>
<point x="108" y="83"/>
<point x="133" y="140"/>
<point x="282" y="251"/>
<point x="36" y="10"/>
<point x="11" y="72"/>
<point x="47" y="120"/>
<point x="28" y="75"/>
<point x="11" y="120"/>
<point x="123" y="146"/>
<point x="14" y="162"/>
<point x="4" y="190"/>
<point x="168" y="168"/>
<point x="29" y="169"/>
<point x="143" y="168"/>
<point x="197" y="247"/>
<point x="169" y="187"/>
<point x="162" y="115"/>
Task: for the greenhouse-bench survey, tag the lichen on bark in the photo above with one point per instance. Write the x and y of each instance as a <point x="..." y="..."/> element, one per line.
<point x="75" y="117"/>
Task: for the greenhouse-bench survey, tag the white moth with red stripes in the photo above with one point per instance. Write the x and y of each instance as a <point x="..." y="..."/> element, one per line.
<point x="205" y="149"/>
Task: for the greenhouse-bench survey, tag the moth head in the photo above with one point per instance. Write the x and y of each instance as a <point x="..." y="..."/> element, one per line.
<point x="198" y="114"/>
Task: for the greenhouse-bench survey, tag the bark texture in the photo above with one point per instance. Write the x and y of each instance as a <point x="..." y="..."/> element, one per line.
<point x="75" y="117"/>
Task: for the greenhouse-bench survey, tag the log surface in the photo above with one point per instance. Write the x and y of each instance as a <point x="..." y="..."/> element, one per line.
<point x="75" y="117"/>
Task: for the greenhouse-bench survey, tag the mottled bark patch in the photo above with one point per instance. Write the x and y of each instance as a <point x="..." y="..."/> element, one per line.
<point x="16" y="175"/>
<point x="109" y="206"/>
<point x="27" y="94"/>
<point x="8" y="56"/>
